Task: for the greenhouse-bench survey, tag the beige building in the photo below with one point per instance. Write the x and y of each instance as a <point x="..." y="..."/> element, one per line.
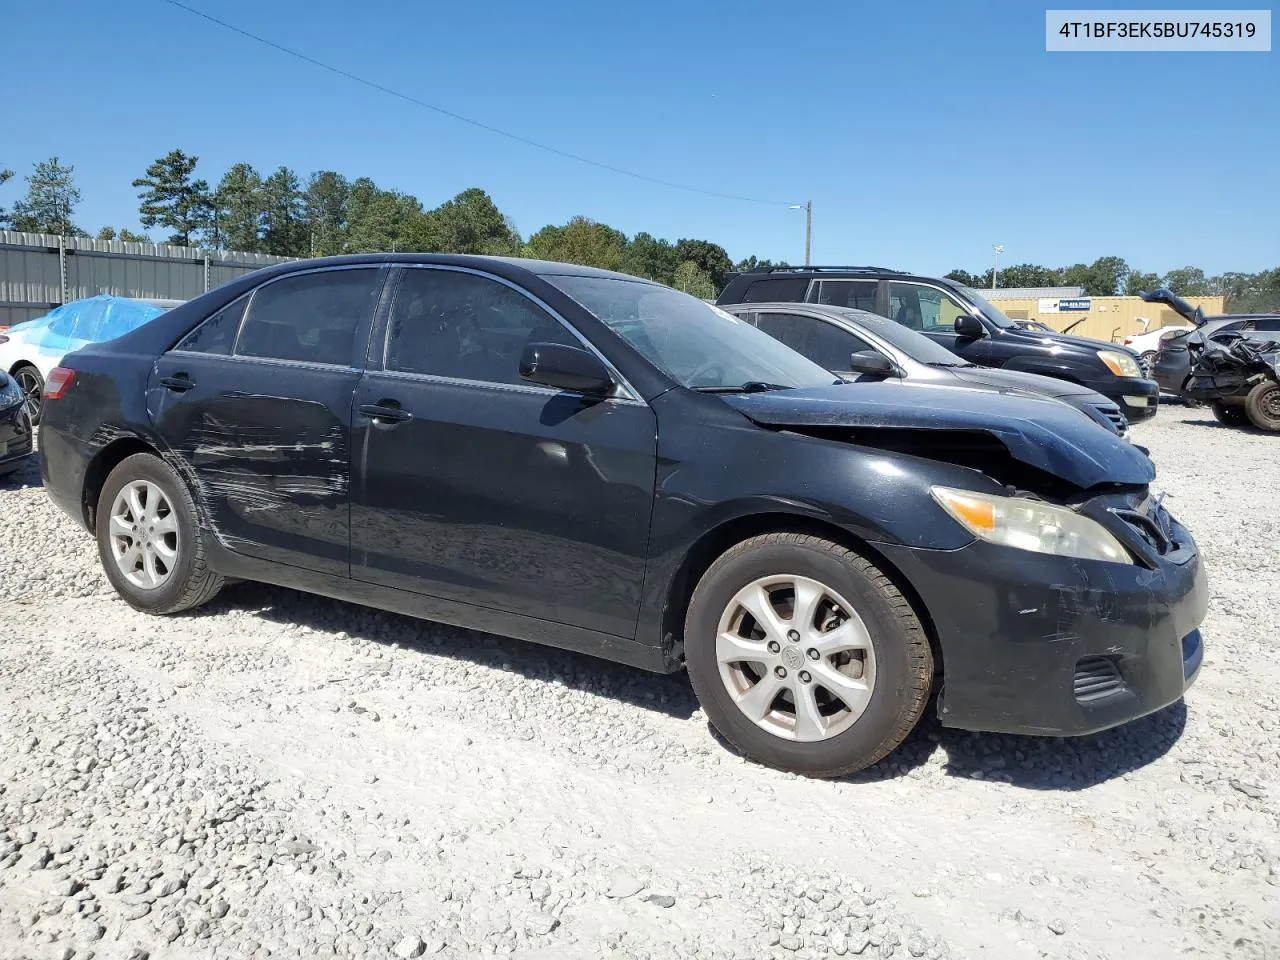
<point x="1104" y="318"/>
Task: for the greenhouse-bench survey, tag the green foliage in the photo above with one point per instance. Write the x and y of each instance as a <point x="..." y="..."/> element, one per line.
<point x="1251" y="292"/>
<point x="377" y="219"/>
<point x="752" y="263"/>
<point x="106" y="233"/>
<point x="965" y="278"/>
<point x="1139" y="282"/>
<point x="1187" y="282"/>
<point x="172" y="198"/>
<point x="693" y="280"/>
<point x="579" y="241"/>
<point x="50" y="201"/>
<point x="710" y="258"/>
<point x="324" y="206"/>
<point x="4" y="176"/>
<point x="128" y="236"/>
<point x="469" y="223"/>
<point x="651" y="258"/>
<point x="240" y="208"/>
<point x="284" y="232"/>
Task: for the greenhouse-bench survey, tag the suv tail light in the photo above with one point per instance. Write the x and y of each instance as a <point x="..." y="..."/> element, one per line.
<point x="1127" y="340"/>
<point x="55" y="385"/>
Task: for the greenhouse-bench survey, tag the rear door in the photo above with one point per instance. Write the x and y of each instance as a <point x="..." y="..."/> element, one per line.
<point x="257" y="402"/>
<point x="478" y="487"/>
<point x="822" y="342"/>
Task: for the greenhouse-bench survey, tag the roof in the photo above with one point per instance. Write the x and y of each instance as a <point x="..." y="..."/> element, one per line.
<point x="542" y="268"/>
<point x="1031" y="293"/>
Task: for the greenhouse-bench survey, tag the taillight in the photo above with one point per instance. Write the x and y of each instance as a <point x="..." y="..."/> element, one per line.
<point x="55" y="385"/>
<point x="1127" y="340"/>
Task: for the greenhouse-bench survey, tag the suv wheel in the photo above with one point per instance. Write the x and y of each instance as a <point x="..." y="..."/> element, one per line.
<point x="805" y="656"/>
<point x="1229" y="414"/>
<point x="151" y="546"/>
<point x="1262" y="405"/>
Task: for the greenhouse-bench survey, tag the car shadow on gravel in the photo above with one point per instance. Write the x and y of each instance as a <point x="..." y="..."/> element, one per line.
<point x="662" y="693"/>
<point x="26" y="476"/>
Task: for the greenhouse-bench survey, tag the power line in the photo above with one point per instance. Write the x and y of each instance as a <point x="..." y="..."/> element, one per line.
<point x="457" y="116"/>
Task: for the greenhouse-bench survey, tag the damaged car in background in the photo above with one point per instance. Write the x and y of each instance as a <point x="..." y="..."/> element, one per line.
<point x="601" y="463"/>
<point x="1239" y="377"/>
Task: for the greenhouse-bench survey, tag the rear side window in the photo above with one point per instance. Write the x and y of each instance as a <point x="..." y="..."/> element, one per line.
<point x="859" y="294"/>
<point x="1268" y="323"/>
<point x="217" y="335"/>
<point x="777" y="289"/>
<point x="312" y="318"/>
<point x="823" y="343"/>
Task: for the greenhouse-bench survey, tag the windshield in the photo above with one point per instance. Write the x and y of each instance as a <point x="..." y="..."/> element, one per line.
<point x="915" y="345"/>
<point x="696" y="344"/>
<point x="989" y="310"/>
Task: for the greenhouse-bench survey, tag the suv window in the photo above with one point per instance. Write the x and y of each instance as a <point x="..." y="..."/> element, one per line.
<point x="859" y="294"/>
<point x="777" y="290"/>
<point x="823" y="343"/>
<point x="311" y="318"/>
<point x="217" y="335"/>
<point x="922" y="308"/>
<point x="448" y="323"/>
<point x="1267" y="323"/>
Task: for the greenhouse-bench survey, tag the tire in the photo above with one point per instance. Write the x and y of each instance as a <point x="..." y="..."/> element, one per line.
<point x="32" y="383"/>
<point x="895" y="666"/>
<point x="1262" y="405"/>
<point x="187" y="581"/>
<point x="1229" y="415"/>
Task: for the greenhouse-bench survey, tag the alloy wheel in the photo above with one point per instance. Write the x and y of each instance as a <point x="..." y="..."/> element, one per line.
<point x="144" y="534"/>
<point x="28" y="379"/>
<point x="796" y="658"/>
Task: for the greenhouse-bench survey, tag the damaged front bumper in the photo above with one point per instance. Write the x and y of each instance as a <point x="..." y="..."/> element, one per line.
<point x="1039" y="644"/>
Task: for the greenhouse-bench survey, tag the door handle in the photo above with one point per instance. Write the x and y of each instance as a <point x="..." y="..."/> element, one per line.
<point x="180" y="383"/>
<point x="386" y="411"/>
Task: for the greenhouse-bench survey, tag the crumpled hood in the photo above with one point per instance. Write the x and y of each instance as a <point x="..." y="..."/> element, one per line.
<point x="1045" y="434"/>
<point x="1027" y="383"/>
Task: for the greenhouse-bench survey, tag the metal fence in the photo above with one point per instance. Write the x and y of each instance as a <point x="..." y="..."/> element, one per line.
<point x="40" y="271"/>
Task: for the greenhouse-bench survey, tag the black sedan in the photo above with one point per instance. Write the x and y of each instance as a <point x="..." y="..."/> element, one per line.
<point x="597" y="462"/>
<point x="15" y="426"/>
<point x="848" y="341"/>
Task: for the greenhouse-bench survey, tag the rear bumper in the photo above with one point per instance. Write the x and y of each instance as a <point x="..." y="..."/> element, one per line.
<point x="62" y="470"/>
<point x="1036" y="644"/>
<point x="16" y="442"/>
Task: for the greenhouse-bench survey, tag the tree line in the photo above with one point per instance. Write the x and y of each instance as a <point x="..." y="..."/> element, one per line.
<point x="1111" y="276"/>
<point x="326" y="213"/>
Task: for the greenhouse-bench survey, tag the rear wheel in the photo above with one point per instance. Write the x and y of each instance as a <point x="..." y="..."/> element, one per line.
<point x="151" y="546"/>
<point x="1262" y="405"/>
<point x="32" y="384"/>
<point x="805" y="656"/>
<point x="1229" y="415"/>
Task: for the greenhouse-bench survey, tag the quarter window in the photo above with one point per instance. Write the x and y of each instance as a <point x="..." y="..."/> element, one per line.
<point x="927" y="309"/>
<point x="778" y="290"/>
<point x="312" y="318"/>
<point x="217" y="335"/>
<point x="453" y="324"/>
<point x="1268" y="323"/>
<point x="859" y="294"/>
<point x="823" y="343"/>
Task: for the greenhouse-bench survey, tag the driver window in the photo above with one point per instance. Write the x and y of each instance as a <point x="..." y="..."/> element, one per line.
<point x="452" y="324"/>
<point x="926" y="309"/>
<point x="823" y="343"/>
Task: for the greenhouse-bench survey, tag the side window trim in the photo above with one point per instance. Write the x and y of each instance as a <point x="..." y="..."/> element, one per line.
<point x="623" y="389"/>
<point x="247" y="297"/>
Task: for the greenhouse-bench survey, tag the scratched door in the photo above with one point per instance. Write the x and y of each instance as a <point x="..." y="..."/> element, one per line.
<point x="256" y="404"/>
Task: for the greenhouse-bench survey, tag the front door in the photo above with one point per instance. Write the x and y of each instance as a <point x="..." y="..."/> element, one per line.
<point x="934" y="312"/>
<point x="475" y="486"/>
<point x="256" y="402"/>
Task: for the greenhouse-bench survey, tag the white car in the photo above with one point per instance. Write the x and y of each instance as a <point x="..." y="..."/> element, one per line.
<point x="1146" y="345"/>
<point x="28" y="351"/>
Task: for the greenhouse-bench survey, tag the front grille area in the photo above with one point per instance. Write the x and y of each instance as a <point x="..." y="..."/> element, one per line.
<point x="1096" y="677"/>
<point x="1114" y="414"/>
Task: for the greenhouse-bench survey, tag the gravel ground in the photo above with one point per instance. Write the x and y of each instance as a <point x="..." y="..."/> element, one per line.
<point x="278" y="775"/>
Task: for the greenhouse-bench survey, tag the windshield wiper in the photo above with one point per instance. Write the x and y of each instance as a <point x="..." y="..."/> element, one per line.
<point x="751" y="386"/>
<point x="948" y="363"/>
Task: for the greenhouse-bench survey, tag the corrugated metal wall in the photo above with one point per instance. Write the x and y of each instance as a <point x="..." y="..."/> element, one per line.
<point x="41" y="271"/>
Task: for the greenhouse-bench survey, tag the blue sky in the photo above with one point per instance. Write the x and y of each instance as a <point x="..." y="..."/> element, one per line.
<point x="923" y="132"/>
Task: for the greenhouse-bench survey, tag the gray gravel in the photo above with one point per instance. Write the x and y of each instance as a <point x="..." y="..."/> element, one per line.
<point x="287" y="776"/>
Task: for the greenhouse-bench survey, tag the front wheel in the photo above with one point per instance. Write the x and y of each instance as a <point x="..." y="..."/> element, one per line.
<point x="805" y="656"/>
<point x="31" y="383"/>
<point x="1262" y="405"/>
<point x="149" y="541"/>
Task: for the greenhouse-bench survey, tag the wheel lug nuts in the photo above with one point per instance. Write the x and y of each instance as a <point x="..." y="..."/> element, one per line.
<point x="812" y="653"/>
<point x="780" y="672"/>
<point x="793" y="635"/>
<point x="774" y="646"/>
<point x="804" y="676"/>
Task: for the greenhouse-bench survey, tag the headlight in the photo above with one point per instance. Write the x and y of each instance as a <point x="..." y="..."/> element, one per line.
<point x="1030" y="525"/>
<point x="1120" y="363"/>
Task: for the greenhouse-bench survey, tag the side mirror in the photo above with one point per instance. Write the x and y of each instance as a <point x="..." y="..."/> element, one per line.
<point x="565" y="368"/>
<point x="868" y="361"/>
<point x="970" y="326"/>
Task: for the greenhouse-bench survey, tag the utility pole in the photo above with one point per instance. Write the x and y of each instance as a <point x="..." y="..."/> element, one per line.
<point x="807" y="206"/>
<point x="995" y="266"/>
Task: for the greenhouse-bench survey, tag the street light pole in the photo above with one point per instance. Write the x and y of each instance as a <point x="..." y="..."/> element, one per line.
<point x="995" y="266"/>
<point x="807" y="207"/>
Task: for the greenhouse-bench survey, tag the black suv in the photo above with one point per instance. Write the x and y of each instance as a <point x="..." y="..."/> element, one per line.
<point x="961" y="320"/>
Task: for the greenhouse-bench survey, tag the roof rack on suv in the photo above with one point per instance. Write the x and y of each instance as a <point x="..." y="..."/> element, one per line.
<point x="819" y="269"/>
